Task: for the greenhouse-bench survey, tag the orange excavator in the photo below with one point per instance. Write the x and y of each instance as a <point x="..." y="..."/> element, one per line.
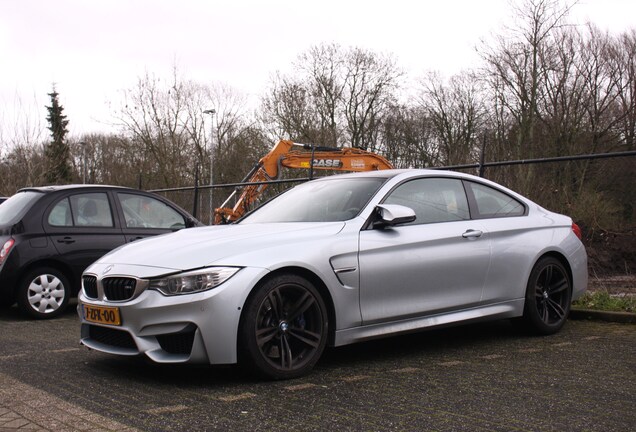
<point x="289" y="154"/>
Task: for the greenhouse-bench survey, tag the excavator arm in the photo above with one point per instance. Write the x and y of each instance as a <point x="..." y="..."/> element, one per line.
<point x="283" y="154"/>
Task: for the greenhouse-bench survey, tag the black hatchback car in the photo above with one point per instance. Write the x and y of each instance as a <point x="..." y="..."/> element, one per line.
<point x="49" y="235"/>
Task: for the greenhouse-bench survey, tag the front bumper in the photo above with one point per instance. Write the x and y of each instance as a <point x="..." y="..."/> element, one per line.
<point x="191" y="328"/>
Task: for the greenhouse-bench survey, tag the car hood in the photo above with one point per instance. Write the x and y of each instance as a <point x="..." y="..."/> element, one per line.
<point x="199" y="247"/>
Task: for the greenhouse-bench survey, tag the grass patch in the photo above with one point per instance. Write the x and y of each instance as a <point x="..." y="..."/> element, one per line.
<point x="602" y="300"/>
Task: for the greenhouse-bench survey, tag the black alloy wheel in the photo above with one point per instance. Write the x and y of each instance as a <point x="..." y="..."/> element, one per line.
<point x="548" y="296"/>
<point x="284" y="329"/>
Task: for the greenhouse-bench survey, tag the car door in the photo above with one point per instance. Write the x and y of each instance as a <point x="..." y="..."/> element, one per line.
<point x="512" y="236"/>
<point x="437" y="263"/>
<point x="82" y="227"/>
<point x="144" y="216"/>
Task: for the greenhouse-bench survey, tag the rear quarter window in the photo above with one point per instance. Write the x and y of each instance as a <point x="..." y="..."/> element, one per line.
<point x="492" y="203"/>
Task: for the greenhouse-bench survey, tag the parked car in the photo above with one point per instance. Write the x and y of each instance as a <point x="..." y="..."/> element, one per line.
<point x="49" y="235"/>
<point x="336" y="260"/>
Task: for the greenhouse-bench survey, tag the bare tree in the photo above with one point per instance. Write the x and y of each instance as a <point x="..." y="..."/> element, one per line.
<point x="21" y="147"/>
<point x="287" y="111"/>
<point x="456" y="111"/>
<point x="370" y="83"/>
<point x="626" y="62"/>
<point x="324" y="66"/>
<point x="514" y="64"/>
<point x="229" y="119"/>
<point x="153" y="116"/>
<point x="166" y="123"/>
<point x="336" y="96"/>
<point x="20" y="167"/>
<point x="407" y="138"/>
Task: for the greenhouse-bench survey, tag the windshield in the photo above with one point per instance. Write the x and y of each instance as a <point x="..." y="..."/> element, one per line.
<point x="12" y="210"/>
<point x="336" y="199"/>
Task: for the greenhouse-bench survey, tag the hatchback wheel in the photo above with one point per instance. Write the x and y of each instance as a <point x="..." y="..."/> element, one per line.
<point x="284" y="328"/>
<point x="548" y="297"/>
<point x="43" y="293"/>
<point x="6" y="303"/>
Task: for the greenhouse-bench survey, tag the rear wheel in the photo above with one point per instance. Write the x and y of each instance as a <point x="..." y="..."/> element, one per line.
<point x="43" y="293"/>
<point x="548" y="297"/>
<point x="284" y="329"/>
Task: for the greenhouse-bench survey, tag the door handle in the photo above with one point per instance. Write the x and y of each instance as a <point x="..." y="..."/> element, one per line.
<point x="471" y="233"/>
<point x="136" y="238"/>
<point x="66" y="240"/>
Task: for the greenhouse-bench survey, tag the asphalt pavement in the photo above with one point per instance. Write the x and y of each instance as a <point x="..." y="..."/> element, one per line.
<point x="470" y="378"/>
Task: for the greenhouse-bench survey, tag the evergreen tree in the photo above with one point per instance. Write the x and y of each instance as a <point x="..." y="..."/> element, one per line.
<point x="57" y="151"/>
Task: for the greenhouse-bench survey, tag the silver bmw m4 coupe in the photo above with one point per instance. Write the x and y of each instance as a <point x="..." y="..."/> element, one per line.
<point x="335" y="261"/>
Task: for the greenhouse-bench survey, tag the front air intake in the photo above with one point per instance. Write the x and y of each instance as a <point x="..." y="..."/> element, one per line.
<point x="111" y="337"/>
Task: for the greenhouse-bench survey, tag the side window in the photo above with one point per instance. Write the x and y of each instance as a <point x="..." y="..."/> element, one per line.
<point x="492" y="203"/>
<point x="61" y="216"/>
<point x="142" y="211"/>
<point x="432" y="199"/>
<point x="91" y="210"/>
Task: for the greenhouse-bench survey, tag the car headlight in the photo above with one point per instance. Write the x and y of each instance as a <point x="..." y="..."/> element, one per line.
<point x="193" y="281"/>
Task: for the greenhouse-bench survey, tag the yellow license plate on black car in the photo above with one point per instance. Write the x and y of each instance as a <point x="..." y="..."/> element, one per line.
<point x="102" y="314"/>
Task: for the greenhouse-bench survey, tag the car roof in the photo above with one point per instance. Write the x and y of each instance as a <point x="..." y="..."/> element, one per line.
<point x="424" y="172"/>
<point x="55" y="188"/>
<point x="390" y="173"/>
<point x="378" y="173"/>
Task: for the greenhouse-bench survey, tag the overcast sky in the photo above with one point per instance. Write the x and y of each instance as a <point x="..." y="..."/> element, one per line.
<point x="93" y="49"/>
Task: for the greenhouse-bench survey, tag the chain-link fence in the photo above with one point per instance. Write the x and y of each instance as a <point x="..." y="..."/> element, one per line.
<point x="598" y="189"/>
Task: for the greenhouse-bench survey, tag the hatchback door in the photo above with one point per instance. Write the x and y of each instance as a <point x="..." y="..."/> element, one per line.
<point x="83" y="228"/>
<point x="437" y="263"/>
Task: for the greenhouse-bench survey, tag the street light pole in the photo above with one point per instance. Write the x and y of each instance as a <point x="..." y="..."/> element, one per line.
<point x="212" y="113"/>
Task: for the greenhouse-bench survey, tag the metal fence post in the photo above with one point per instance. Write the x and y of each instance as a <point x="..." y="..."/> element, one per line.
<point x="482" y="156"/>
<point x="195" y="205"/>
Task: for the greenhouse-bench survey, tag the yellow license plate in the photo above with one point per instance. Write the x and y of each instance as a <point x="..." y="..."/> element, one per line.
<point x="102" y="314"/>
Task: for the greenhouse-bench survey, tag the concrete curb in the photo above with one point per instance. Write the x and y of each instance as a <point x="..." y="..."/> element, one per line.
<point x="589" y="314"/>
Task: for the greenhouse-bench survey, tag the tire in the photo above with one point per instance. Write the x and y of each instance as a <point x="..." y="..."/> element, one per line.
<point x="43" y="293"/>
<point x="6" y="302"/>
<point x="548" y="297"/>
<point x="284" y="328"/>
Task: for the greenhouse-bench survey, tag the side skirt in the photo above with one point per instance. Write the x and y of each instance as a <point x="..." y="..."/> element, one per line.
<point x="508" y="309"/>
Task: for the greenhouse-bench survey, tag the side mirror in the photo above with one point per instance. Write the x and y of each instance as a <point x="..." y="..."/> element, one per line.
<point x="190" y="223"/>
<point x="392" y="214"/>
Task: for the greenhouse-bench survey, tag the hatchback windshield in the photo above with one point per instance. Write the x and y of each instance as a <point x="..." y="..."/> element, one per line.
<point x="15" y="207"/>
<point x="319" y="201"/>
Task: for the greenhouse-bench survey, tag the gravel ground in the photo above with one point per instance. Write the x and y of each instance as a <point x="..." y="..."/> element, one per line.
<point x="478" y="377"/>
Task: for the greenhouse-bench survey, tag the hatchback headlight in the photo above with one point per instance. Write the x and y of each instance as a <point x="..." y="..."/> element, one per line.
<point x="193" y="281"/>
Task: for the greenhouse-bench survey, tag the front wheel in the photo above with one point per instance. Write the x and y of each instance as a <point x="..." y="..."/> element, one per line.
<point x="548" y="297"/>
<point x="43" y="293"/>
<point x="284" y="328"/>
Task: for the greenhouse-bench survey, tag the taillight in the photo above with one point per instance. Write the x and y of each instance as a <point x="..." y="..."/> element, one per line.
<point x="577" y="231"/>
<point x="5" y="249"/>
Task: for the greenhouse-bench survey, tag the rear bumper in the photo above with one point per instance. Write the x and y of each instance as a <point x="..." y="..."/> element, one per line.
<point x="578" y="264"/>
